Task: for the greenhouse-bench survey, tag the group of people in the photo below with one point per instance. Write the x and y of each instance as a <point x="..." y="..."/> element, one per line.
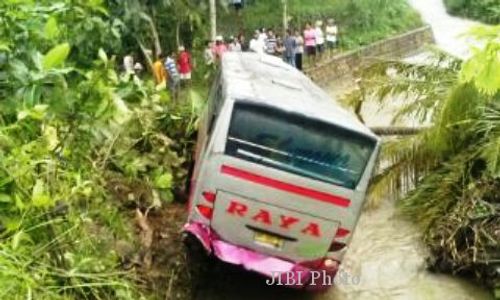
<point x="319" y="39"/>
<point x="214" y="50"/>
<point x="173" y="70"/>
<point x="312" y="43"/>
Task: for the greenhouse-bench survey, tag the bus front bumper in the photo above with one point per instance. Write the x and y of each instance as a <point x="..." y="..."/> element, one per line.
<point x="280" y="272"/>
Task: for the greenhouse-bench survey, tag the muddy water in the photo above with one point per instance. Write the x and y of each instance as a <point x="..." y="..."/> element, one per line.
<point x="386" y="253"/>
<point x="386" y="259"/>
<point x="389" y="260"/>
<point x="450" y="32"/>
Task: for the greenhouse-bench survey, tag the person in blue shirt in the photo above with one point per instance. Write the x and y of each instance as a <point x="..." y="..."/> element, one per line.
<point x="173" y="75"/>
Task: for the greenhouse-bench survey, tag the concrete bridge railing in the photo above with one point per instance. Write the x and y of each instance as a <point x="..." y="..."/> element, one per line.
<point x="347" y="63"/>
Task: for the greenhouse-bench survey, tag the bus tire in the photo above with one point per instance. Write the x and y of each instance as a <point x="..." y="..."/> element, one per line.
<point x="199" y="262"/>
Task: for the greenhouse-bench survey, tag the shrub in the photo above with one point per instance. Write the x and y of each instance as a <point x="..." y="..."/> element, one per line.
<point x="487" y="11"/>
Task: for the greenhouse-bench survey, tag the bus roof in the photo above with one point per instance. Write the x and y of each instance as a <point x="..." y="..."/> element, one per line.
<point x="268" y="80"/>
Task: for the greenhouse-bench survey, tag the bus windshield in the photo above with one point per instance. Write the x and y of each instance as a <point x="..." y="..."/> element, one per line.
<point x="297" y="144"/>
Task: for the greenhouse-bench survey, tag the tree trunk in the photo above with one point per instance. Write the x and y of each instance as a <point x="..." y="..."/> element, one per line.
<point x="285" y="16"/>
<point x="149" y="59"/>
<point x="154" y="32"/>
<point x="394" y="130"/>
<point x="213" y="20"/>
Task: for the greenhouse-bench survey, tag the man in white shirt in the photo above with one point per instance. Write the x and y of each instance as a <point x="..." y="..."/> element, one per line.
<point x="128" y="64"/>
<point x="331" y="35"/>
<point x="320" y="38"/>
<point x="257" y="44"/>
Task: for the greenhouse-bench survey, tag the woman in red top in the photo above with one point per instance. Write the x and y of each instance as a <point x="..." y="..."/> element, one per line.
<point x="184" y="64"/>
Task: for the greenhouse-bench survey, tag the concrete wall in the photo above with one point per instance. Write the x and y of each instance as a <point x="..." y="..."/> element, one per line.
<point x="346" y="63"/>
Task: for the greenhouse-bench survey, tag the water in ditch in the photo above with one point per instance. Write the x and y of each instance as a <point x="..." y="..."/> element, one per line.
<point x="386" y="259"/>
<point x="386" y="252"/>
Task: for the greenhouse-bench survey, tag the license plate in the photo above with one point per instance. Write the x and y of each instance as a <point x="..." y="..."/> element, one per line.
<point x="268" y="240"/>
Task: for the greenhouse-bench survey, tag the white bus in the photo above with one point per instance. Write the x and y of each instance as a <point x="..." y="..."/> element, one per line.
<point x="280" y="174"/>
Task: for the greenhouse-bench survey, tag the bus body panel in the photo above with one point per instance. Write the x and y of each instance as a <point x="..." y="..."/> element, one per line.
<point x="249" y="207"/>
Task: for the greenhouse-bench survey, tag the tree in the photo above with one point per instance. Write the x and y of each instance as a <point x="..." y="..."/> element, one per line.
<point x="448" y="175"/>
<point x="213" y="20"/>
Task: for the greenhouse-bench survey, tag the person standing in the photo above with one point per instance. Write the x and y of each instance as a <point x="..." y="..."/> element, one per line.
<point x="310" y="43"/>
<point x="242" y="41"/>
<point x="290" y="47"/>
<point x="138" y="68"/>
<point x="159" y="72"/>
<point x="173" y="75"/>
<point x="280" y="48"/>
<point x="320" y="39"/>
<point x="331" y="35"/>
<point x="238" y="5"/>
<point x="256" y="44"/>
<point x="271" y="43"/>
<point x="299" y="52"/>
<point x="128" y="64"/>
<point x="185" y="65"/>
<point x="220" y="47"/>
<point x="262" y="35"/>
<point x="235" y="45"/>
<point x="208" y="53"/>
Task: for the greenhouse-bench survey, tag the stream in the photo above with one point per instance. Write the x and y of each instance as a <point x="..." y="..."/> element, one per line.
<point x="386" y="256"/>
<point x="386" y="251"/>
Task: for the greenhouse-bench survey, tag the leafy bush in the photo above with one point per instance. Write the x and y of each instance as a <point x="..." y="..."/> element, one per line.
<point x="487" y="11"/>
<point x="79" y="143"/>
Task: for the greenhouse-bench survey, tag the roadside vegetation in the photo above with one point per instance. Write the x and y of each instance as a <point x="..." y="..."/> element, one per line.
<point x="87" y="154"/>
<point x="448" y="175"/>
<point x="487" y="11"/>
<point x="360" y="22"/>
<point x="91" y="160"/>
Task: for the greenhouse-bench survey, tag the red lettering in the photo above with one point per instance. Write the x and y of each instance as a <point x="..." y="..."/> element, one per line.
<point x="236" y="208"/>
<point x="312" y="229"/>
<point x="263" y="217"/>
<point x="286" y="222"/>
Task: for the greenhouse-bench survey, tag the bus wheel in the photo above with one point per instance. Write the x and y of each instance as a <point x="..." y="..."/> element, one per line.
<point x="199" y="263"/>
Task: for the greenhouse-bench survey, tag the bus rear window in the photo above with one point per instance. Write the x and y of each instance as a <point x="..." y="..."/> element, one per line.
<point x="299" y="145"/>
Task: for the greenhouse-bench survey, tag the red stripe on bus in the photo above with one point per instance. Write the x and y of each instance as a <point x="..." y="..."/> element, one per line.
<point x="287" y="187"/>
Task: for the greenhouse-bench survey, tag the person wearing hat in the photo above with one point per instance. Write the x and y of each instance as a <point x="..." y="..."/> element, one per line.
<point x="331" y="35"/>
<point x="220" y="47"/>
<point x="184" y="64"/>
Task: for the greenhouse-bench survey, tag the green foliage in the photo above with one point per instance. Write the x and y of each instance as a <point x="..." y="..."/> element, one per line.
<point x="483" y="69"/>
<point x="448" y="174"/>
<point x="56" y="56"/>
<point x="160" y="25"/>
<point x="79" y="142"/>
<point x="361" y="22"/>
<point x="487" y="11"/>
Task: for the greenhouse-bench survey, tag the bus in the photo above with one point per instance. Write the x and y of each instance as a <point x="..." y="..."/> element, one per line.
<point x="280" y="172"/>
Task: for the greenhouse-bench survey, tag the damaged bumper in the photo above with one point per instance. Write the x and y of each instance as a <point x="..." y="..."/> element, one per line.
<point x="284" y="272"/>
